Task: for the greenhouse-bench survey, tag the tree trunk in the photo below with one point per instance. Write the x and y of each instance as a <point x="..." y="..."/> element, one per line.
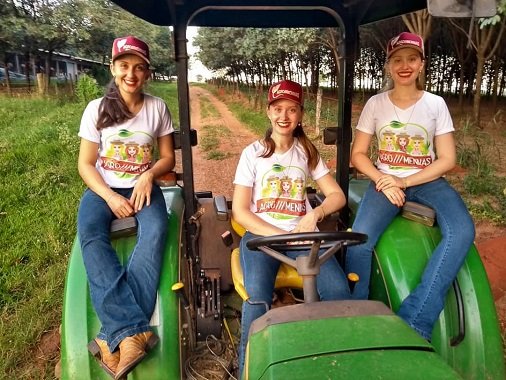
<point x="318" y="111"/>
<point x="477" y="94"/>
<point x="495" y="82"/>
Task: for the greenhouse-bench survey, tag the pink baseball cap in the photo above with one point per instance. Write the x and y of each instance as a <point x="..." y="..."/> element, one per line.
<point x="286" y="89"/>
<point x="405" y="40"/>
<point x="130" y="45"/>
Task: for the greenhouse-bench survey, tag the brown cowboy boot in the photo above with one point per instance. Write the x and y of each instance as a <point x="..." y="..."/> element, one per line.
<point x="107" y="360"/>
<point x="132" y="350"/>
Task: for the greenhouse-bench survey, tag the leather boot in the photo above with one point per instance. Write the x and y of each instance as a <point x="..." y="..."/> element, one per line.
<point x="107" y="360"/>
<point x="132" y="350"/>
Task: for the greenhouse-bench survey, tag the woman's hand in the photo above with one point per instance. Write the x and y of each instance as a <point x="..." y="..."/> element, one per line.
<point x="120" y="206"/>
<point x="387" y="181"/>
<point x="395" y="195"/>
<point x="308" y="222"/>
<point x="142" y="191"/>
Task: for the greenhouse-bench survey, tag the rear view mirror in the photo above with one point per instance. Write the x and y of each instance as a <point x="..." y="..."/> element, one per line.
<point x="331" y="135"/>
<point x="462" y="8"/>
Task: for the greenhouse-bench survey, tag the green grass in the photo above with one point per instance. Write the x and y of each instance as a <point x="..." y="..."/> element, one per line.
<point x="39" y="195"/>
<point x="168" y="92"/>
<point x="207" y="109"/>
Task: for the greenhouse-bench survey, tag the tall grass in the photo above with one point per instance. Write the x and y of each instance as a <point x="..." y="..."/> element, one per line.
<point x="39" y="194"/>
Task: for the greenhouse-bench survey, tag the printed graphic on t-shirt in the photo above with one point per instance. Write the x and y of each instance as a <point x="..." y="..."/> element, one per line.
<point x="404" y="146"/>
<point x="283" y="192"/>
<point x="127" y="153"/>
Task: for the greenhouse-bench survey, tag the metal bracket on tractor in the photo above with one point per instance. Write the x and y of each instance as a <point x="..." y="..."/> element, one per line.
<point x="209" y="307"/>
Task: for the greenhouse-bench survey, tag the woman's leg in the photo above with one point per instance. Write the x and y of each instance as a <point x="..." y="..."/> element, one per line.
<point x="144" y="263"/>
<point x="422" y="307"/>
<point x="373" y="216"/>
<point x="259" y="271"/>
<point x="111" y="295"/>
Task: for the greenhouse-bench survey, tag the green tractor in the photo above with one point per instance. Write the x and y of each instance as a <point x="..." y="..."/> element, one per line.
<point x="309" y="340"/>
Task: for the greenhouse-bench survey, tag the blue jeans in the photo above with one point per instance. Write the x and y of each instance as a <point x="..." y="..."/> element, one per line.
<point x="123" y="296"/>
<point x="422" y="307"/>
<point x="260" y="270"/>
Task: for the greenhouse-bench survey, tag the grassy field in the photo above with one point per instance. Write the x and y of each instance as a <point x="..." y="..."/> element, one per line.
<point x="39" y="195"/>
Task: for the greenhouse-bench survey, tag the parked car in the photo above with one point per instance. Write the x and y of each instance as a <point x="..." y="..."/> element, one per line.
<point x="14" y="77"/>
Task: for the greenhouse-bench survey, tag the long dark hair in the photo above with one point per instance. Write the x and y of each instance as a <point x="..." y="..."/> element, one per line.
<point x="113" y="109"/>
<point x="312" y="153"/>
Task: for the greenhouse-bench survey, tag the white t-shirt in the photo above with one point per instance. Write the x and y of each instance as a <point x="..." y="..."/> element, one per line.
<point x="126" y="150"/>
<point x="278" y="183"/>
<point x="405" y="137"/>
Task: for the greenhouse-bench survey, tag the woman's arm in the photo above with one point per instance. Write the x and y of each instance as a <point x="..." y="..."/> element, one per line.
<point x="334" y="195"/>
<point x="334" y="201"/>
<point x="243" y="215"/>
<point x="144" y="184"/>
<point x="360" y="156"/>
<point x="86" y="165"/>
<point x="390" y="185"/>
<point x="88" y="152"/>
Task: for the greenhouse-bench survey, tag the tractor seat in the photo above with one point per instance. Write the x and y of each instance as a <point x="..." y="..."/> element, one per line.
<point x="287" y="276"/>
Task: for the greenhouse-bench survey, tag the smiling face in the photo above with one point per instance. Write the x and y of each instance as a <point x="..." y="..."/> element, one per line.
<point x="404" y="66"/>
<point x="130" y="73"/>
<point x="284" y="115"/>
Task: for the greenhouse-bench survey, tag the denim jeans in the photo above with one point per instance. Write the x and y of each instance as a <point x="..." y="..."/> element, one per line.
<point x="123" y="296"/>
<point x="260" y="270"/>
<point x="422" y="307"/>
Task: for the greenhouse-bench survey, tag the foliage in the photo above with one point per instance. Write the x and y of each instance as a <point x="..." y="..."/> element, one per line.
<point x="84" y="28"/>
<point x="168" y="92"/>
<point x="482" y="188"/>
<point x="501" y="12"/>
<point x="87" y="89"/>
<point x="256" y="54"/>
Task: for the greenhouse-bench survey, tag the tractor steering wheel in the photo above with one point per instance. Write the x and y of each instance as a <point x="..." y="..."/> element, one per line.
<point x="307" y="266"/>
<point x="306" y="240"/>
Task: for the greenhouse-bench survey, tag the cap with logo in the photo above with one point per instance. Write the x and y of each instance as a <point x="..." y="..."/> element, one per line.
<point x="130" y="45"/>
<point x="405" y="40"/>
<point x="286" y="89"/>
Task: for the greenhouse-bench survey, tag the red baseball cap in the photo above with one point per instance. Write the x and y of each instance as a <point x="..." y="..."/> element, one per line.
<point x="286" y="89"/>
<point x="405" y="40"/>
<point x="130" y="45"/>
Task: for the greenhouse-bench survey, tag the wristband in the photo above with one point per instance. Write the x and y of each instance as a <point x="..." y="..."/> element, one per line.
<point x="323" y="216"/>
<point x="108" y="199"/>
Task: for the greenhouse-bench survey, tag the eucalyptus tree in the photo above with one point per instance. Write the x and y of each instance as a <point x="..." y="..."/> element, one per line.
<point x="485" y="37"/>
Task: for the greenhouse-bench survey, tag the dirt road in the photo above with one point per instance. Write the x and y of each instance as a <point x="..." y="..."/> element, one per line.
<point x="212" y="174"/>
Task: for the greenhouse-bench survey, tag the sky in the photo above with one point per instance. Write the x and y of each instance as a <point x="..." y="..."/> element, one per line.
<point x="195" y="66"/>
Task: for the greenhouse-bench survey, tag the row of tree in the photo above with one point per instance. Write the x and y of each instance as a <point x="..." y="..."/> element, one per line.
<point x="83" y="28"/>
<point x="463" y="55"/>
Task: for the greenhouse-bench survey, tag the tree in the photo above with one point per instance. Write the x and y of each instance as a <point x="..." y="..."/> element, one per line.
<point x="484" y="37"/>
